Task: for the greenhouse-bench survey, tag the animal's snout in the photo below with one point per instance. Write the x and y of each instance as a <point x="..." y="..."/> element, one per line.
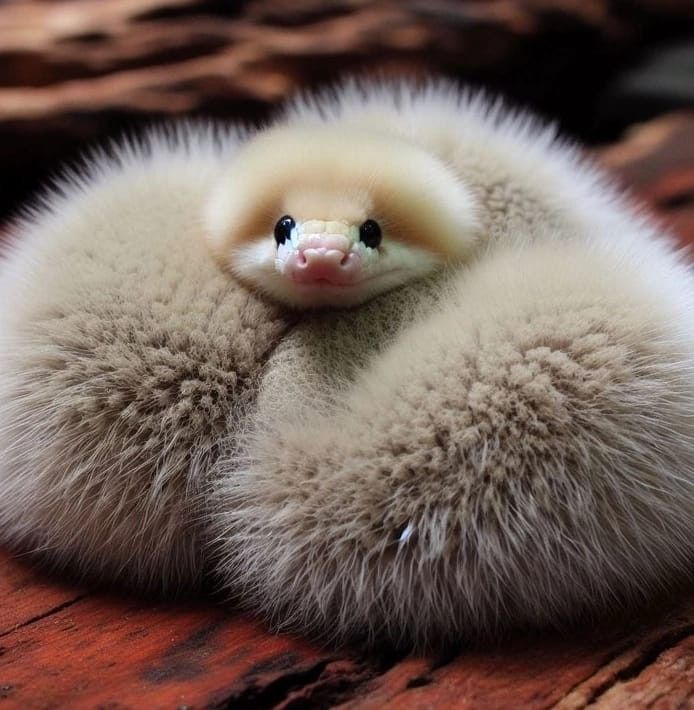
<point x="324" y="258"/>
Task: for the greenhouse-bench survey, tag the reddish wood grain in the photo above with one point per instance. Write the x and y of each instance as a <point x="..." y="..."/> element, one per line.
<point x="66" y="648"/>
<point x="667" y="683"/>
<point x="655" y="161"/>
<point x="634" y="659"/>
<point x="390" y="688"/>
<point x="173" y="55"/>
<point x="27" y="593"/>
<point x="109" y="652"/>
<point x="62" y="647"/>
<point x="541" y="672"/>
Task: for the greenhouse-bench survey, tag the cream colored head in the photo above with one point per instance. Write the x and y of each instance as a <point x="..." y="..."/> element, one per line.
<point x="332" y="216"/>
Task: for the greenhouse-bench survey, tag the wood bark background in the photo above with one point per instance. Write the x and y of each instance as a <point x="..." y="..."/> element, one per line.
<point x="74" y="72"/>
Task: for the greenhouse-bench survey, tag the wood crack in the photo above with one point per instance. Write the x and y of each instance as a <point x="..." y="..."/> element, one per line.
<point x="340" y="682"/>
<point x="43" y="615"/>
<point x="266" y="696"/>
<point x="640" y="662"/>
<point x="610" y="658"/>
<point x="325" y="684"/>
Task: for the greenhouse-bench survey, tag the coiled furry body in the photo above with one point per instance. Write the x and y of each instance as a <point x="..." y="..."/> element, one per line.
<point x="507" y="444"/>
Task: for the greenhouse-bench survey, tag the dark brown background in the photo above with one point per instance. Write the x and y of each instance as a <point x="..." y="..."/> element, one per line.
<point x="73" y="72"/>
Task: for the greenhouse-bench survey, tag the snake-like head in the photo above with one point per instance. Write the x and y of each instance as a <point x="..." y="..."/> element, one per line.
<point x="332" y="216"/>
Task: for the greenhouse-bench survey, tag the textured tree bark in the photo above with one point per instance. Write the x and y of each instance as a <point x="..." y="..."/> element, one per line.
<point x="75" y="71"/>
<point x="655" y="160"/>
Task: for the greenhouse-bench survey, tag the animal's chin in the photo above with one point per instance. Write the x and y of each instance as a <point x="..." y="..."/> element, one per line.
<point x="320" y="293"/>
<point x="322" y="284"/>
<point x="323" y="292"/>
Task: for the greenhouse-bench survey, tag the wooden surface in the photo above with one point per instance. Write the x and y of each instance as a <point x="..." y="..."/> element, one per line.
<point x="66" y="647"/>
<point x="62" y="646"/>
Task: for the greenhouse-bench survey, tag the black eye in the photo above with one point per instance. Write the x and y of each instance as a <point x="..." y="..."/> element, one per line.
<point x="370" y="233"/>
<point x="283" y="229"/>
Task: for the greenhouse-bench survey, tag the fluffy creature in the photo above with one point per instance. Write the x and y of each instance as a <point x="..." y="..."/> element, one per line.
<point x="508" y="442"/>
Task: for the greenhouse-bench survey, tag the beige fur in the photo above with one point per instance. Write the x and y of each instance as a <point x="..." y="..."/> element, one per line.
<point x="346" y="175"/>
<point x="510" y="460"/>
<point x="125" y="354"/>
<point x="504" y="444"/>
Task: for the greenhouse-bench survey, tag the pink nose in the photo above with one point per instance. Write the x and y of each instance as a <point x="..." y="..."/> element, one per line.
<point x="314" y="264"/>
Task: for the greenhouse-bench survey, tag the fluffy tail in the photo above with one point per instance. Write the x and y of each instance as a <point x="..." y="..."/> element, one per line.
<point x="523" y="456"/>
